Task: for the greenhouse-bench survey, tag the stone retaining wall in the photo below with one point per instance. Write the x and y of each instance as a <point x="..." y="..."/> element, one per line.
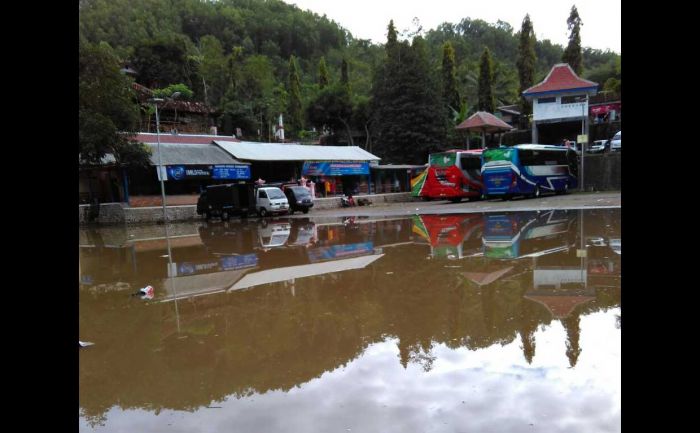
<point x="120" y="213"/>
<point x="603" y="172"/>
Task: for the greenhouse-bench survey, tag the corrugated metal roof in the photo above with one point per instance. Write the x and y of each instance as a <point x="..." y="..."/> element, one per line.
<point x="152" y="137"/>
<point x="190" y="154"/>
<point x="293" y="272"/>
<point x="253" y="151"/>
<point x="396" y="166"/>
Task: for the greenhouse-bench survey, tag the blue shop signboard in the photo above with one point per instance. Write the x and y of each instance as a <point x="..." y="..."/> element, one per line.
<point x="340" y="251"/>
<point x="334" y="168"/>
<point x="231" y="172"/>
<point x="181" y="172"/>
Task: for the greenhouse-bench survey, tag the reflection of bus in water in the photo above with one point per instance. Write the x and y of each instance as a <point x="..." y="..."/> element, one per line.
<point x="450" y="236"/>
<point x="528" y="234"/>
<point x="451" y="175"/>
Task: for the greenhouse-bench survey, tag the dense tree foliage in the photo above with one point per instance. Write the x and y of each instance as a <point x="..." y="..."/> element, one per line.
<point x="234" y="55"/>
<point x="106" y="108"/>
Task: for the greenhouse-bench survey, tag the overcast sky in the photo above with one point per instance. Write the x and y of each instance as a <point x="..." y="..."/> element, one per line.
<point x="368" y="19"/>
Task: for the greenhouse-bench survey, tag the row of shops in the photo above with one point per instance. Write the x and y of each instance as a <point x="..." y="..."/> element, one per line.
<point x="192" y="162"/>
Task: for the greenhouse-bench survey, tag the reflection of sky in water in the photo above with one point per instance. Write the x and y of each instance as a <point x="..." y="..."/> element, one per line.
<point x="487" y="390"/>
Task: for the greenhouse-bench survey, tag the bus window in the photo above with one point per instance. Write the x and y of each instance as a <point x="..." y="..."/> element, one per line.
<point x="470" y="162"/>
<point x="471" y="165"/>
<point x="543" y="157"/>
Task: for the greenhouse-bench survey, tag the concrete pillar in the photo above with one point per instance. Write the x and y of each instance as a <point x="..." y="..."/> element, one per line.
<point x="534" y="132"/>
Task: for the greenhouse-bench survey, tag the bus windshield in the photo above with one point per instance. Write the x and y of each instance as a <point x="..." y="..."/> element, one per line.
<point x="492" y="155"/>
<point x="443" y="159"/>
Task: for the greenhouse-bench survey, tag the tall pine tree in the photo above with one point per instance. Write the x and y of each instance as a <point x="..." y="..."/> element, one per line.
<point x="486" y="99"/>
<point x="572" y="54"/>
<point x="450" y="94"/>
<point x="344" y="79"/>
<point x="294" y="110"/>
<point x="526" y="62"/>
<point x="322" y="73"/>
<point x="409" y="113"/>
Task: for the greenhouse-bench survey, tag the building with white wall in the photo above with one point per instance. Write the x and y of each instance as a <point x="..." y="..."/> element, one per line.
<point x="560" y="104"/>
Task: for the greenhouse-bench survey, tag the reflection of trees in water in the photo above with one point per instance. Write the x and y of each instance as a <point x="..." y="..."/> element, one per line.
<point x="572" y="324"/>
<point x="267" y="338"/>
<point x="529" y="321"/>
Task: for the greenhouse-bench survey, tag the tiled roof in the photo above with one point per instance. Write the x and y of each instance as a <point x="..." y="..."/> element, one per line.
<point x="561" y="78"/>
<point x="560" y="306"/>
<point x="483" y="121"/>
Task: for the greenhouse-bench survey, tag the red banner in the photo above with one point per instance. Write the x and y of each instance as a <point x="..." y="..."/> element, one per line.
<point x="604" y="109"/>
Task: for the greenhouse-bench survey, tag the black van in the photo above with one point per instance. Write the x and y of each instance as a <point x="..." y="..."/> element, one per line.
<point x="299" y="198"/>
<point x="226" y="200"/>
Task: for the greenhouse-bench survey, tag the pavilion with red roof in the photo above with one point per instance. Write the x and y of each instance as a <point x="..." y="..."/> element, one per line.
<point x="483" y="122"/>
<point x="561" y="98"/>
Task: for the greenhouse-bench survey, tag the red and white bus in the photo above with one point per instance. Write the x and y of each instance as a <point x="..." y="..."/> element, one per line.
<point x="451" y="175"/>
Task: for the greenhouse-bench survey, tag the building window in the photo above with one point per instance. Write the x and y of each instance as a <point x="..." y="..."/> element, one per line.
<point x="546" y="100"/>
<point x="573" y="99"/>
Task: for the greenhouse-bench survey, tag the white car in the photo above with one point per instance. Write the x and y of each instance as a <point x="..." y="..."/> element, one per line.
<point x="598" y="146"/>
<point x="616" y="142"/>
<point x="271" y="200"/>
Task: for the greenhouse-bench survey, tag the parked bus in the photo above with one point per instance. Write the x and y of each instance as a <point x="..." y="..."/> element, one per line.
<point x="451" y="175"/>
<point x="529" y="170"/>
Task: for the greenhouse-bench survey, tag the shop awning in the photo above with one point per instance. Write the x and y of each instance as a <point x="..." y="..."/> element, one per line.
<point x="397" y="167"/>
<point x="253" y="151"/>
<point x="191" y="154"/>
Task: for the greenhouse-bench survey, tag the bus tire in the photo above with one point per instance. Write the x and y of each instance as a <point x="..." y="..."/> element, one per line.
<point x="426" y="198"/>
<point x="507" y="197"/>
<point x="455" y="199"/>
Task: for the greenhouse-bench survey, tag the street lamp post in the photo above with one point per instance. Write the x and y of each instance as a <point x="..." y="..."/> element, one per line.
<point x="584" y="104"/>
<point x="161" y="172"/>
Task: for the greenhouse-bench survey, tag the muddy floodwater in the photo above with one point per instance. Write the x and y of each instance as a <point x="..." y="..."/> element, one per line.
<point x="495" y="322"/>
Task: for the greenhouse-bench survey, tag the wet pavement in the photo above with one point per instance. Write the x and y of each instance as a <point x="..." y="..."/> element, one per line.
<point x="488" y="322"/>
<point x="572" y="201"/>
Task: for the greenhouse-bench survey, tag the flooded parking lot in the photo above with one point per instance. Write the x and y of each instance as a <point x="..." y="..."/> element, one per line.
<point x="496" y="322"/>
